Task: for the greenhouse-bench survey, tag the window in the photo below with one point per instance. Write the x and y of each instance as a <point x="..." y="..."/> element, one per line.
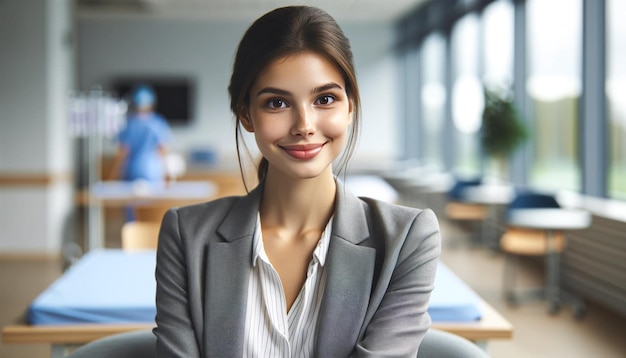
<point x="497" y="35"/>
<point x="467" y="94"/>
<point x="554" y="88"/>
<point x="433" y="96"/>
<point x="616" y="105"/>
<point x="498" y="44"/>
<point x="412" y="122"/>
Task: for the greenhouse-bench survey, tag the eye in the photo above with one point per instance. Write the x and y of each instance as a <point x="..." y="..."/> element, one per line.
<point x="276" y="103"/>
<point x="325" y="100"/>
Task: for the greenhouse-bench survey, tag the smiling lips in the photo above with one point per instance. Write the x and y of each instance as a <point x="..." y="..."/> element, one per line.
<point x="305" y="151"/>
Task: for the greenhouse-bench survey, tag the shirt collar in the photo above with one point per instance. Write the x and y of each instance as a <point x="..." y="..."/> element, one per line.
<point x="321" y="250"/>
<point x="319" y="254"/>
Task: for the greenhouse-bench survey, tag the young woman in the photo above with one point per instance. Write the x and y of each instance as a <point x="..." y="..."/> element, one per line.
<point x="299" y="267"/>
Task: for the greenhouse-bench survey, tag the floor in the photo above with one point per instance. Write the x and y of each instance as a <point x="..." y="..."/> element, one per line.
<point x="537" y="334"/>
<point x="21" y="280"/>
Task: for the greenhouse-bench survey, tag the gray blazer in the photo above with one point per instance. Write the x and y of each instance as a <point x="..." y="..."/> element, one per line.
<point x="381" y="266"/>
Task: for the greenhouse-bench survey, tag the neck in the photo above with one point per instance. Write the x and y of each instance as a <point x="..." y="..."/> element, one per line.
<point x="298" y="204"/>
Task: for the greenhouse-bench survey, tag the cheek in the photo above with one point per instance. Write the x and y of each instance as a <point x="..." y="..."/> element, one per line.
<point x="337" y="127"/>
<point x="269" y="130"/>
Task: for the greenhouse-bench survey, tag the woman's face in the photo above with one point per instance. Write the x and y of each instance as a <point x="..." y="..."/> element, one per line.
<point x="299" y="113"/>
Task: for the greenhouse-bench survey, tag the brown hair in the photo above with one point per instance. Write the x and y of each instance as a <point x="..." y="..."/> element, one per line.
<point x="282" y="32"/>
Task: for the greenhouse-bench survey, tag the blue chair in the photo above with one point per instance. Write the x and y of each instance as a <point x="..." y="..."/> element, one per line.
<point x="529" y="199"/>
<point x="522" y="241"/>
<point x="456" y="192"/>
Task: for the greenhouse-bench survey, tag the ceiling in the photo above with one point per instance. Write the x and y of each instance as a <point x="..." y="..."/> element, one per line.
<point x="247" y="10"/>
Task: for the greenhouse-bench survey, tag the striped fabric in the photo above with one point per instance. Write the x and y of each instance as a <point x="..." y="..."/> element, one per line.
<point x="270" y="330"/>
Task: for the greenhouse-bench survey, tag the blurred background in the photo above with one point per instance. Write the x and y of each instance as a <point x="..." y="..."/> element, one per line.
<point x="422" y="67"/>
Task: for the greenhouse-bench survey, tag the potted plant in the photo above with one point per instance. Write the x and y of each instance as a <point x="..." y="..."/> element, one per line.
<point x="502" y="130"/>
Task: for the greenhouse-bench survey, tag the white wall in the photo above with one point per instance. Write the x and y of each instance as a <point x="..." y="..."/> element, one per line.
<point x="205" y="51"/>
<point x="35" y="78"/>
<point x="23" y="131"/>
<point x="380" y="87"/>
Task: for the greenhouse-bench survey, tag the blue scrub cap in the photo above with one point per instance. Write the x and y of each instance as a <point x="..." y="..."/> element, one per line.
<point x="144" y="96"/>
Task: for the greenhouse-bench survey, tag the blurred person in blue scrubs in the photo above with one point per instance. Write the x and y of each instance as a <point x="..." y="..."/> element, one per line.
<point x="142" y="142"/>
<point x="140" y="157"/>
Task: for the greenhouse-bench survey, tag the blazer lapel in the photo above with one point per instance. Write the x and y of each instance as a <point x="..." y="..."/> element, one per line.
<point x="349" y="281"/>
<point x="227" y="274"/>
<point x="350" y="271"/>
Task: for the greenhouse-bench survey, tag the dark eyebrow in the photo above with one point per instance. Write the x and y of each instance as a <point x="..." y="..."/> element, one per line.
<point x="272" y="90"/>
<point x="280" y="92"/>
<point x="327" y="87"/>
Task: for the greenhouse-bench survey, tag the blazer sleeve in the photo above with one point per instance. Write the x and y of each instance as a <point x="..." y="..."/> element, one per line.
<point x="401" y="321"/>
<point x="174" y="330"/>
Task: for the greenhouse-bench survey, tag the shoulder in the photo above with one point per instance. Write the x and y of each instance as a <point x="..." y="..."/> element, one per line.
<point x="228" y="218"/>
<point x="394" y="214"/>
<point x="380" y="223"/>
<point x="160" y="125"/>
<point x="159" y="120"/>
<point x="396" y="225"/>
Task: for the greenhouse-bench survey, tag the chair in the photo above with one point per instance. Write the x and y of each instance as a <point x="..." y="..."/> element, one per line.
<point x="517" y="241"/>
<point x="440" y="344"/>
<point x="140" y="235"/>
<point x="140" y="344"/>
<point x="135" y="344"/>
<point x="521" y="241"/>
<point x="459" y="210"/>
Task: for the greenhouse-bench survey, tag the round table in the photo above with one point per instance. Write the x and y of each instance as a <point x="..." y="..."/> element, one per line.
<point x="552" y="220"/>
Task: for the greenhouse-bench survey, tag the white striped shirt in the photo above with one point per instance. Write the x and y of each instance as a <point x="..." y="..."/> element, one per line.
<point x="270" y="330"/>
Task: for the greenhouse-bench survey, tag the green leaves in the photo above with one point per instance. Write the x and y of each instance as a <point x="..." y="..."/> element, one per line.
<point x="502" y="130"/>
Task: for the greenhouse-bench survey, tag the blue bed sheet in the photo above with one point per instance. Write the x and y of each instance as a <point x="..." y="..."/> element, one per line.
<point x="105" y="286"/>
<point x="452" y="300"/>
<point x="113" y="286"/>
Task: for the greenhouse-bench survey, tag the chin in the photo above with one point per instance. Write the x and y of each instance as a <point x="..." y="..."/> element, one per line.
<point x="306" y="173"/>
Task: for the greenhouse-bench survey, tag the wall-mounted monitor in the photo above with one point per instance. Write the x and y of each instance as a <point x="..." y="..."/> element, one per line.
<point x="175" y="95"/>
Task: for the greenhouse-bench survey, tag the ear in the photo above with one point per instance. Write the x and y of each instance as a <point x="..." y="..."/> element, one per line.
<point x="351" y="111"/>
<point x="246" y="121"/>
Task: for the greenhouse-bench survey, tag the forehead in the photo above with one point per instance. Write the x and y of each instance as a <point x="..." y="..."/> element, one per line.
<point x="299" y="70"/>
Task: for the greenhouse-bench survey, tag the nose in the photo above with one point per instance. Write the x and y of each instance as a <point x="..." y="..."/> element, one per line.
<point x="303" y="124"/>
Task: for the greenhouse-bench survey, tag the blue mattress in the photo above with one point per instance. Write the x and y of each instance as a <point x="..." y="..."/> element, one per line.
<point x="105" y="286"/>
<point x="452" y="300"/>
<point x="113" y="286"/>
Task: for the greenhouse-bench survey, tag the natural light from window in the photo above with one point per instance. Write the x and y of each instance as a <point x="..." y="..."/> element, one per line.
<point x="554" y="87"/>
<point x="616" y="100"/>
